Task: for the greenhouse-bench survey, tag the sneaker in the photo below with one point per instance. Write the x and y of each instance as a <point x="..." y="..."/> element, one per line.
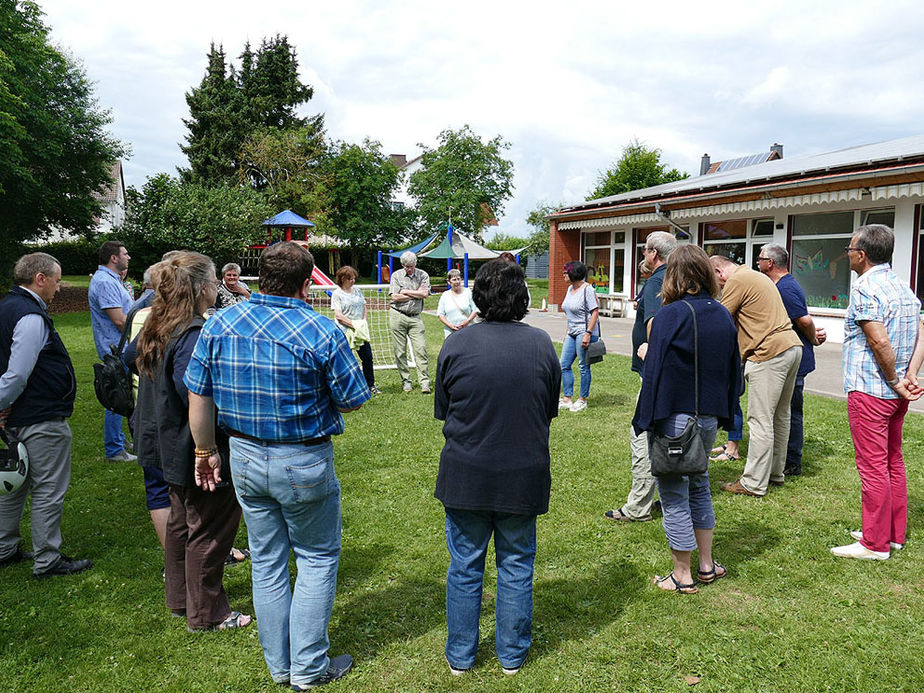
<point x="510" y="671"/>
<point x="407" y="387"/>
<point x="123" y="456"/>
<point x="425" y="391"/>
<point x="562" y="404"/>
<point x="579" y="405"/>
<point x="857" y="550"/>
<point x="456" y="671"/>
<point x="894" y="545"/>
<point x="374" y="390"/>
<point x="64" y="566"/>
<point x="339" y="666"/>
<point x="18" y="556"/>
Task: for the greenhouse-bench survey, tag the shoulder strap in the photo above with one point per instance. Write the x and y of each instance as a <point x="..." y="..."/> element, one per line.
<point x="127" y="328"/>
<point x="587" y="314"/>
<point x="695" y="360"/>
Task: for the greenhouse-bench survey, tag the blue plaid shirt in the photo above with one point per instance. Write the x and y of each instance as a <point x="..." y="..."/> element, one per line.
<point x="276" y="369"/>
<point x="878" y="295"/>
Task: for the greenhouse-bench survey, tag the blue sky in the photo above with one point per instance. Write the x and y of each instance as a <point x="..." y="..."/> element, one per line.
<point x="567" y="84"/>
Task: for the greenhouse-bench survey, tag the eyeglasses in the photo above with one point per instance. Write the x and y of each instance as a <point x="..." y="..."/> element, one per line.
<point x="763" y="258"/>
<point x="848" y="248"/>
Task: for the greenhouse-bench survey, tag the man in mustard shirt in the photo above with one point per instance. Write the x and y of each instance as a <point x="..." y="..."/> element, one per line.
<point x="771" y="352"/>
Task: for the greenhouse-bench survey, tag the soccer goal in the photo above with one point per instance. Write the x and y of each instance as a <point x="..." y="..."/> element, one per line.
<point x="377" y="302"/>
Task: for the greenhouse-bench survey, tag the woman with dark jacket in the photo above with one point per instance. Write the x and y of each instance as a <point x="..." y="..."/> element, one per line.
<point x="202" y="524"/>
<point x="667" y="403"/>
<point x="496" y="389"/>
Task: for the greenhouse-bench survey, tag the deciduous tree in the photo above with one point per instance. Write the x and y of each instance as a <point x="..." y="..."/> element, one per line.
<point x="638" y="167"/>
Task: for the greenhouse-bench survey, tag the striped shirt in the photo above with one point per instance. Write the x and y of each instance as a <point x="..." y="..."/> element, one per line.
<point x="277" y="370"/>
<point x="878" y="295"/>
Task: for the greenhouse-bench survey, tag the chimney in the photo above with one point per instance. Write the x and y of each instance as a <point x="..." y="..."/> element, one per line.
<point x="399" y="160"/>
<point x="778" y="148"/>
<point x="704" y="165"/>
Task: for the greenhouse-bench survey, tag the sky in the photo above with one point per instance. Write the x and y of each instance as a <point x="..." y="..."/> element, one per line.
<point x="567" y="84"/>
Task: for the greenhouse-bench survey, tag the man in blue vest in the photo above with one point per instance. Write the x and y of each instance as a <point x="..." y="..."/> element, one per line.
<point x="37" y="388"/>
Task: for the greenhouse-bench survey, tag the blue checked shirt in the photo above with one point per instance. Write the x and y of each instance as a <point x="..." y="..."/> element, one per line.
<point x="276" y="369"/>
<point x="878" y="295"/>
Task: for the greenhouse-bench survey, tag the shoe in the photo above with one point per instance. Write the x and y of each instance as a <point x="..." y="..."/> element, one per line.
<point x="339" y="666"/>
<point x="776" y="483"/>
<point x="736" y="487"/>
<point x="894" y="545"/>
<point x="857" y="550"/>
<point x="425" y="391"/>
<point x="407" y="387"/>
<point x="579" y="405"/>
<point x="64" y="566"/>
<point x="792" y="471"/>
<point x="234" y="560"/>
<point x="456" y="671"/>
<point x="18" y="556"/>
<point x="725" y="457"/>
<point x="374" y="390"/>
<point x="233" y="622"/>
<point x="619" y="516"/>
<point x="510" y="671"/>
<point x="562" y="404"/>
<point x="656" y="507"/>
<point x="678" y="587"/>
<point x="707" y="577"/>
<point x="123" y="456"/>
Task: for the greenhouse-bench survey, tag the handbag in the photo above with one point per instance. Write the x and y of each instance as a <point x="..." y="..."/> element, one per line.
<point x="595" y="350"/>
<point x="684" y="454"/>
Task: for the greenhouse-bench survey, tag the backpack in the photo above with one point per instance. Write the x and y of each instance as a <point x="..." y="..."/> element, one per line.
<point x="112" y="380"/>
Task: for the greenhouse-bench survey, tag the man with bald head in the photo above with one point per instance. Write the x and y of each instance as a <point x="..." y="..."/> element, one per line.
<point x="771" y="352"/>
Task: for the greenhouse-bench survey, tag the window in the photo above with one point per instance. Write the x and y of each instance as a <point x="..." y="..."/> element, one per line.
<point x="878" y="216"/>
<point x="641" y="236"/>
<point x="738" y="239"/>
<point x="818" y="261"/>
<point x="604" y="255"/>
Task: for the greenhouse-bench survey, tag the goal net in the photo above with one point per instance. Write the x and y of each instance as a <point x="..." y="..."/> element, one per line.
<point x="377" y="302"/>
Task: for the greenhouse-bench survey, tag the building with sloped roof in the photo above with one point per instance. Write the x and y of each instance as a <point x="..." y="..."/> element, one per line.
<point x="811" y="204"/>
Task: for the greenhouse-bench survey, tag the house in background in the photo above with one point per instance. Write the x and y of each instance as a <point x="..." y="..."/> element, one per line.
<point x="811" y="205"/>
<point x="112" y="201"/>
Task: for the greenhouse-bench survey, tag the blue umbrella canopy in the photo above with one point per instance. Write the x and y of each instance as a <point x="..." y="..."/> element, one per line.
<point x="288" y="218"/>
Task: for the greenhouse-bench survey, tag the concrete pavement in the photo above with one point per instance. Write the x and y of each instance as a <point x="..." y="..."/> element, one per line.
<point x="827" y="379"/>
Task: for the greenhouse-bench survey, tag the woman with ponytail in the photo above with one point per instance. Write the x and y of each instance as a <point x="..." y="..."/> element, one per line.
<point x="202" y="524"/>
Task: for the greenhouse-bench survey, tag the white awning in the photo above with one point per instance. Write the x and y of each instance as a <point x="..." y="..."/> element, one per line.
<point x="763" y="204"/>
<point x="607" y="222"/>
<point x="887" y="192"/>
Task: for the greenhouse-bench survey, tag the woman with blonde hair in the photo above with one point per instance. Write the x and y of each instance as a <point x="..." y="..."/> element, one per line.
<point x="202" y="524"/>
<point x="673" y="391"/>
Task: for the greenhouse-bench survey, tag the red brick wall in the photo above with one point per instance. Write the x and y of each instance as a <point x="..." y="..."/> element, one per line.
<point x="564" y="246"/>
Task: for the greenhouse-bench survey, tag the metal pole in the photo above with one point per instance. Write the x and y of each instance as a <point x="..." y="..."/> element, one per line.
<point x="466" y="270"/>
<point x="378" y="267"/>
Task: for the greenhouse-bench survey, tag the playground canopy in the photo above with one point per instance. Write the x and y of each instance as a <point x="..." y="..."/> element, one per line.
<point x="416" y="248"/>
<point x="288" y="218"/>
<point x="461" y="245"/>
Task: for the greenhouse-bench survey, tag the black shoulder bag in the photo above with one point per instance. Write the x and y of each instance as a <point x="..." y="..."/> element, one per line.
<point x="595" y="350"/>
<point x="682" y="455"/>
<point x="112" y="380"/>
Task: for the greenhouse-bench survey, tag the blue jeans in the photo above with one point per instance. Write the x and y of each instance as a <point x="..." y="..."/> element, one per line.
<point x="467" y="535"/>
<point x="686" y="500"/>
<point x="113" y="438"/>
<point x="290" y="497"/>
<point x="570" y="348"/>
<point x="796" y="433"/>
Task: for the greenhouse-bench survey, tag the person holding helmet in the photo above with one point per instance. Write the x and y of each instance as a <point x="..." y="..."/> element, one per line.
<point x="37" y="389"/>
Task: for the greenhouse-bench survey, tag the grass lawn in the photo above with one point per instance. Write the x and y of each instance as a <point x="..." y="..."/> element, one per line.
<point x="789" y="617"/>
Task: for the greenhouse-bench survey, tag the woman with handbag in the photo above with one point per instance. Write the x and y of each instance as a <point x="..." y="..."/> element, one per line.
<point x="349" y="306"/>
<point x="456" y="308"/>
<point x="582" y="310"/>
<point x="686" y="390"/>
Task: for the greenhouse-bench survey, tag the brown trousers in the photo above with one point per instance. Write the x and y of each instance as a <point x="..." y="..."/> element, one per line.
<point x="200" y="533"/>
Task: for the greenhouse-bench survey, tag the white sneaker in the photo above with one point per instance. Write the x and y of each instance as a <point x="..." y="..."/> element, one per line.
<point x="894" y="545"/>
<point x="562" y="404"/>
<point x="123" y="456"/>
<point x="857" y="550"/>
<point x="579" y="405"/>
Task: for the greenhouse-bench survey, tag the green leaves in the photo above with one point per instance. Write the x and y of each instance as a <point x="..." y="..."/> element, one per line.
<point x="638" y="167"/>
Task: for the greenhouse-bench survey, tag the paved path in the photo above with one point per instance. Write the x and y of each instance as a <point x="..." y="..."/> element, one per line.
<point x="826" y="380"/>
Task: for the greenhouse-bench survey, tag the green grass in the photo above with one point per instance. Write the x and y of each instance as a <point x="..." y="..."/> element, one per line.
<point x="789" y="617"/>
<point x="76" y="280"/>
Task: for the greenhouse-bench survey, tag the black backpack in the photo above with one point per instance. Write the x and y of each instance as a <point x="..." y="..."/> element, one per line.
<point x="112" y="380"/>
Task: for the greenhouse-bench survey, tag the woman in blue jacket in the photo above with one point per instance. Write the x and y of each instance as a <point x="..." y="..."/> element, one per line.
<point x="667" y="403"/>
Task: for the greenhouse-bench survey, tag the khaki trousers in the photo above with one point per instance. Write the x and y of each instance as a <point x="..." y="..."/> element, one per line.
<point x="770" y="386"/>
<point x="404" y="328"/>
<point x="642" y="493"/>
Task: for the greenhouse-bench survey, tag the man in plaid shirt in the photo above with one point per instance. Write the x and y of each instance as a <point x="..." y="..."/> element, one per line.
<point x="883" y="351"/>
<point x="280" y="376"/>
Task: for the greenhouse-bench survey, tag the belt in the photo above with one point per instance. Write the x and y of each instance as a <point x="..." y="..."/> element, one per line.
<point x="310" y="441"/>
<point x="403" y="313"/>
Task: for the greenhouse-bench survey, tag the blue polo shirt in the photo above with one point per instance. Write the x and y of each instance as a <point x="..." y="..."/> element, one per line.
<point x="794" y="300"/>
<point x="106" y="291"/>
<point x="649" y="303"/>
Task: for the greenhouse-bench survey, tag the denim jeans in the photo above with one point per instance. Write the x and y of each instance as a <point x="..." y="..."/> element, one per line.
<point x="113" y="438"/>
<point x="569" y="349"/>
<point x="290" y="497"/>
<point x="686" y="500"/>
<point x="796" y="433"/>
<point x="467" y="535"/>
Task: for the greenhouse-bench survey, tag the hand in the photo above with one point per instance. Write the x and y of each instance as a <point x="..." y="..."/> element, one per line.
<point x="207" y="472"/>
<point x="585" y="342"/>
<point x="911" y="384"/>
<point x="820" y="336"/>
<point x="642" y="350"/>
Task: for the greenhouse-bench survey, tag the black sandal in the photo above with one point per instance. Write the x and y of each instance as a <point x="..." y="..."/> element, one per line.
<point x="678" y="586"/>
<point x="709" y="576"/>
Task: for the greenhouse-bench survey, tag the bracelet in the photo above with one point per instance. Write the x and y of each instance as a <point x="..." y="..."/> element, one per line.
<point x="204" y="453"/>
<point x="893" y="383"/>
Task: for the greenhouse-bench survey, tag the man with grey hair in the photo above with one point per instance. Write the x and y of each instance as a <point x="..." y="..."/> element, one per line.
<point x="771" y="352"/>
<point x="773" y="260"/>
<point x="638" y="506"/>
<point x="409" y="287"/>
<point x="883" y="351"/>
<point x="37" y="389"/>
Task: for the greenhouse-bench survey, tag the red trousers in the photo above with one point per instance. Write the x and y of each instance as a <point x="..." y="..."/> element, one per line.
<point x="876" y="428"/>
